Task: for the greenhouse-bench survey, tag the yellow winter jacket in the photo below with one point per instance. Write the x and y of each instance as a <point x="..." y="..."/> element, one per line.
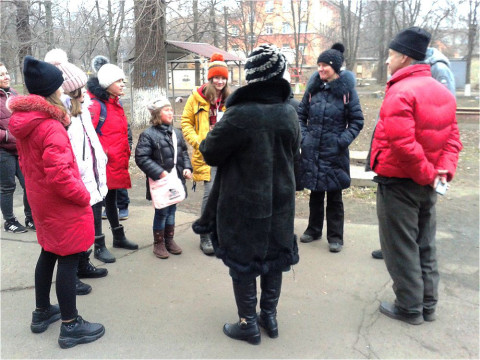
<point x="195" y="127"/>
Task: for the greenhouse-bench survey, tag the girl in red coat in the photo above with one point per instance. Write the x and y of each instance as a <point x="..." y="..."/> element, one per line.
<point x="105" y="91"/>
<point x="58" y="198"/>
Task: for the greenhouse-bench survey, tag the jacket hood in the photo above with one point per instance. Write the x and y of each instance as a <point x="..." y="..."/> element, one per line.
<point x="434" y="56"/>
<point x="199" y="98"/>
<point x="339" y="87"/>
<point x="265" y="92"/>
<point x="94" y="88"/>
<point x="28" y="111"/>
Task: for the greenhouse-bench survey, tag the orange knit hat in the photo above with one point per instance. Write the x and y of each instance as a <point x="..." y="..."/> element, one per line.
<point x="217" y="66"/>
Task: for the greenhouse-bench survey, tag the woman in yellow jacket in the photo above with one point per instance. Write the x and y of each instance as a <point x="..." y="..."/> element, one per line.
<point x="204" y="108"/>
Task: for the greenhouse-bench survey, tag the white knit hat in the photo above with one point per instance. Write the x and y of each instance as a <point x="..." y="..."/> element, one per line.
<point x="74" y="77"/>
<point x="108" y="74"/>
<point x="158" y="104"/>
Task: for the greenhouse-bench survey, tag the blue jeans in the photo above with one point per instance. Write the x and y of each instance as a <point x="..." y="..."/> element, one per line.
<point x="122" y="199"/>
<point x="9" y="168"/>
<point x="163" y="217"/>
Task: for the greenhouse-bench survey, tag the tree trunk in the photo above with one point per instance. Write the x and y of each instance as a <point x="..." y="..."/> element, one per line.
<point x="23" y="32"/>
<point x="472" y="35"/>
<point x="196" y="38"/>
<point x="149" y="73"/>
<point x="49" y="25"/>
<point x="381" y="66"/>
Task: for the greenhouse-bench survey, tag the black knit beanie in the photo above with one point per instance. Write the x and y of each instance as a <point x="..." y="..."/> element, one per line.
<point x="265" y="62"/>
<point x="412" y="42"/>
<point x="41" y="78"/>
<point x="333" y="57"/>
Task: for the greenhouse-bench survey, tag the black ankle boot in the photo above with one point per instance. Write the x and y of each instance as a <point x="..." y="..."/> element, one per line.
<point x="271" y="285"/>
<point x="101" y="252"/>
<point x="120" y="241"/>
<point x="82" y="288"/>
<point x="42" y="318"/>
<point x="86" y="269"/>
<point x="79" y="331"/>
<point x="246" y="328"/>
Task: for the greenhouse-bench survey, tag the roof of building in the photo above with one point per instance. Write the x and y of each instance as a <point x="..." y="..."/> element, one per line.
<point x="178" y="49"/>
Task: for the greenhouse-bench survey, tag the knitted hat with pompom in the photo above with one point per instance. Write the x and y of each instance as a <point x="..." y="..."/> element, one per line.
<point x="333" y="57"/>
<point x="217" y="66"/>
<point x="107" y="73"/>
<point x="74" y="77"/>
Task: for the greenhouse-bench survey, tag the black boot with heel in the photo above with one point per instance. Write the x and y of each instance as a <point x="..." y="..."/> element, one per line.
<point x="271" y="285"/>
<point x="247" y="327"/>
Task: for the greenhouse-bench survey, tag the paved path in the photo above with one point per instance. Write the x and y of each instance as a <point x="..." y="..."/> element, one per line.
<point x="176" y="308"/>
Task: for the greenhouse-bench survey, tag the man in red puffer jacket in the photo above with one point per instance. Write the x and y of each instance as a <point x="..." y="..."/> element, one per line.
<point x="415" y="147"/>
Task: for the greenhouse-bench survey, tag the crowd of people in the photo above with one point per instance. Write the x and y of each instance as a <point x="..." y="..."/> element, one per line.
<point x="252" y="149"/>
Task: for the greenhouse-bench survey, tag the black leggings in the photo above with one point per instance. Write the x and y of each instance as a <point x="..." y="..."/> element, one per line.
<point x="97" y="218"/>
<point x="65" y="284"/>
<point x="111" y="208"/>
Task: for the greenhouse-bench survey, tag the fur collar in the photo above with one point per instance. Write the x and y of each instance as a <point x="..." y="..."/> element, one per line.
<point x="339" y="87"/>
<point x="38" y="103"/>
<point x="265" y="92"/>
<point x="93" y="86"/>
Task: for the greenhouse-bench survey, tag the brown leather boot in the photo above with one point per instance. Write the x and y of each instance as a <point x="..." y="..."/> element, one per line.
<point x="159" y="244"/>
<point x="170" y="244"/>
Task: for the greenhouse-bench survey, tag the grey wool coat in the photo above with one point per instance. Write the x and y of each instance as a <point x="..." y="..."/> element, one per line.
<point x="251" y="207"/>
<point x="330" y="119"/>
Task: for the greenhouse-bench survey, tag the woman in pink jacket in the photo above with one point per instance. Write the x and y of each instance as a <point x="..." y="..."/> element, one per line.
<point x="59" y="200"/>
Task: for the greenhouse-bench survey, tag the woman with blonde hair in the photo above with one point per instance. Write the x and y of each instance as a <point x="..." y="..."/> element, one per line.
<point x="204" y="108"/>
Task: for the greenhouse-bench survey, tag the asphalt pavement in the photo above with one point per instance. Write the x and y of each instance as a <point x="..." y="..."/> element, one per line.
<point x="176" y="308"/>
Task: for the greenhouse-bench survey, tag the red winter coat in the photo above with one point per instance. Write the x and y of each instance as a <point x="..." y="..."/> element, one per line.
<point x="59" y="200"/>
<point x="114" y="138"/>
<point x="417" y="133"/>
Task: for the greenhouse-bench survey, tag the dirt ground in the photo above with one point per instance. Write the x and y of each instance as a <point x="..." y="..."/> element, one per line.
<point x="359" y="202"/>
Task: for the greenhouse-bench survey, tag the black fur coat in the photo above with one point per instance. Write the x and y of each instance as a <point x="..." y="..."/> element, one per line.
<point x="251" y="207"/>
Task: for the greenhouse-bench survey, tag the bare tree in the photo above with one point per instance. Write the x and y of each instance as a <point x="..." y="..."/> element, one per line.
<point x="300" y="17"/>
<point x="351" y="19"/>
<point x="473" y="6"/>
<point x="113" y="26"/>
<point x="23" y="31"/>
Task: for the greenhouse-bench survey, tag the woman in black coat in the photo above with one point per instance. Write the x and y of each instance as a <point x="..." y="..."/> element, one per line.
<point x="155" y="156"/>
<point x="330" y="119"/>
<point x="251" y="208"/>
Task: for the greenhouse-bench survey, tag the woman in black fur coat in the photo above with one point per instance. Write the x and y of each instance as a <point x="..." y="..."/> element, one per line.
<point x="330" y="119"/>
<point x="251" y="208"/>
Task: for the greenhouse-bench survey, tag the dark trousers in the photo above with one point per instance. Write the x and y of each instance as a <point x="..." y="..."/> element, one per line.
<point x="97" y="217"/>
<point x="65" y="283"/>
<point x="335" y="215"/>
<point x="122" y="199"/>
<point x="111" y="208"/>
<point x="9" y="169"/>
<point x="407" y="226"/>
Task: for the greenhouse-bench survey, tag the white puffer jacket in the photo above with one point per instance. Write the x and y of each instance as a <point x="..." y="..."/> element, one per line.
<point x="89" y="154"/>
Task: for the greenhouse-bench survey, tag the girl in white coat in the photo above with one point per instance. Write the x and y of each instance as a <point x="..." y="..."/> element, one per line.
<point x="91" y="159"/>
